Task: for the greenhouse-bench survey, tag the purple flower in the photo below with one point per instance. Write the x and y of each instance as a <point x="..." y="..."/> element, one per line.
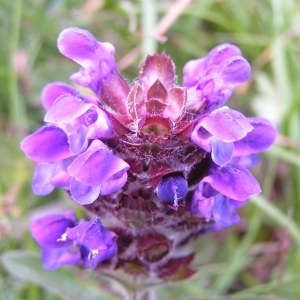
<point x="48" y="144"/>
<point x="80" y="120"/>
<point x="97" y="59"/>
<point x="48" y="176"/>
<point x="143" y="157"/>
<point x="96" y="172"/>
<point x="216" y="132"/>
<point x="211" y="80"/>
<point x="96" y="242"/>
<point x="64" y="241"/>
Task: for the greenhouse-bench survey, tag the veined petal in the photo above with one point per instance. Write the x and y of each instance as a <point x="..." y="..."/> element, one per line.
<point x="48" y="144"/>
<point x="233" y="181"/>
<point x="226" y="124"/>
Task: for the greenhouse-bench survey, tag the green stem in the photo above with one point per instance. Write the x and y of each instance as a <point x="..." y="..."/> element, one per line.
<point x="16" y="111"/>
<point x="148" y="25"/>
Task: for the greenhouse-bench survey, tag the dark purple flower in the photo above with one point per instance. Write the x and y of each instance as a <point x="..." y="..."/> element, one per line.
<point x="172" y="189"/>
<point x="48" y="230"/>
<point x="64" y="241"/>
<point x="96" y="242"/>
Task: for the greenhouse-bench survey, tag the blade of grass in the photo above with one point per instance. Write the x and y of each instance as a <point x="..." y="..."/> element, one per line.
<point x="278" y="216"/>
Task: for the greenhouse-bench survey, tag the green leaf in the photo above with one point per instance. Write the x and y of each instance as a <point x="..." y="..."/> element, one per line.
<point x="63" y="282"/>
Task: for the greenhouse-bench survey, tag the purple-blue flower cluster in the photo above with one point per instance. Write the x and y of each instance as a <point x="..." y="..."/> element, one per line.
<point x="152" y="140"/>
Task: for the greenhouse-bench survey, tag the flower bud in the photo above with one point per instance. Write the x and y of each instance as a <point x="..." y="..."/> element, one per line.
<point x="172" y="189"/>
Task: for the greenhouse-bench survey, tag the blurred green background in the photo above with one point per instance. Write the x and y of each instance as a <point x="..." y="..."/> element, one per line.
<point x="259" y="258"/>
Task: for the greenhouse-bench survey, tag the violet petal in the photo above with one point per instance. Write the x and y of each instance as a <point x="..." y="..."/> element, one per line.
<point x="259" y="139"/>
<point x="56" y="258"/>
<point x="96" y="165"/>
<point x="97" y="59"/>
<point x="226" y="124"/>
<point x="47" y="231"/>
<point x="221" y="152"/>
<point x="48" y="144"/>
<point x="197" y="68"/>
<point x="52" y="91"/>
<point x="82" y="193"/>
<point x="233" y="181"/>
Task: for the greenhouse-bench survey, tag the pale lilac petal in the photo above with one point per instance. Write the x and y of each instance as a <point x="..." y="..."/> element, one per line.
<point x="224" y="212"/>
<point x="99" y="125"/>
<point x="220" y="54"/>
<point x="48" y="144"/>
<point x="47" y="176"/>
<point x="201" y="137"/>
<point x="221" y="152"/>
<point x="56" y="258"/>
<point x="248" y="161"/>
<point x="66" y="110"/>
<point x="42" y="176"/>
<point x="215" y="76"/>
<point x="82" y="193"/>
<point x="52" y="91"/>
<point x="81" y="121"/>
<point x="203" y="200"/>
<point x="96" y="242"/>
<point x="205" y="207"/>
<point x="259" y="139"/>
<point x="77" y="138"/>
<point x="233" y="181"/>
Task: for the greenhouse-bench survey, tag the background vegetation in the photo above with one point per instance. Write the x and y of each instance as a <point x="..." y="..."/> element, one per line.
<point x="257" y="259"/>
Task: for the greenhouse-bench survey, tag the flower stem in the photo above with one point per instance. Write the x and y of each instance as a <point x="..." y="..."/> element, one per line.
<point x="149" y="18"/>
<point x="16" y="112"/>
